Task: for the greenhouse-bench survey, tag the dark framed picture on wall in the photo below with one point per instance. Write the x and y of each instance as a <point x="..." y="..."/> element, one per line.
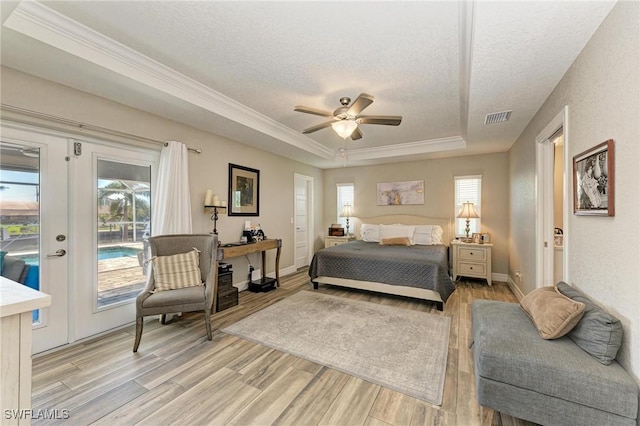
<point x="244" y="191"/>
<point x="593" y="181"/>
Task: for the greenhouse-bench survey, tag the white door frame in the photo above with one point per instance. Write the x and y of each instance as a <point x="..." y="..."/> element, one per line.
<point x="310" y="214"/>
<point x="544" y="200"/>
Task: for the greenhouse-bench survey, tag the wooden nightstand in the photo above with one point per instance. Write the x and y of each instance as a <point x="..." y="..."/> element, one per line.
<point x="336" y="241"/>
<point x="471" y="260"/>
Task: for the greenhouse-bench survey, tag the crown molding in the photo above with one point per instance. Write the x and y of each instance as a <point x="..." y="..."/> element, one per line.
<point x="37" y="21"/>
<point x="409" y="148"/>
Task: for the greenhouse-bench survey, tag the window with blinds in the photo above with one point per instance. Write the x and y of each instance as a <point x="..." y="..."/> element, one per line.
<point x="468" y="189"/>
<point x="345" y="196"/>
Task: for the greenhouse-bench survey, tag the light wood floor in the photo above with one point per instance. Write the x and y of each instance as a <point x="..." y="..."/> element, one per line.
<point x="179" y="377"/>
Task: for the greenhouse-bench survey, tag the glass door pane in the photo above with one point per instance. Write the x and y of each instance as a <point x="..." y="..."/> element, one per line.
<point x="20" y="215"/>
<point x="123" y="226"/>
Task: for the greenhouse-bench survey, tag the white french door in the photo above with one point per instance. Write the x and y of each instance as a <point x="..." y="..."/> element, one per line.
<point x="34" y="205"/>
<point x="77" y="213"/>
<point x="111" y="204"/>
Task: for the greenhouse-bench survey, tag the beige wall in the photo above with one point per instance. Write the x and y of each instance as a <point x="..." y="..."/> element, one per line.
<point x="439" y="192"/>
<point x="207" y="170"/>
<point x="602" y="91"/>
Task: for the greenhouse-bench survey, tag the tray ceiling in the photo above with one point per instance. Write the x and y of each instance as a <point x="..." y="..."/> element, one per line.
<point x="237" y="69"/>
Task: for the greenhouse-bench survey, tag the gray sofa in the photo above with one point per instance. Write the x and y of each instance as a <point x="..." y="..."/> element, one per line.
<point x="551" y="382"/>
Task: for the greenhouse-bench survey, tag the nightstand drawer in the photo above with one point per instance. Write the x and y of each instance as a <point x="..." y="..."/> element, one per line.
<point x="472" y="254"/>
<point x="336" y="241"/>
<point x="472" y="269"/>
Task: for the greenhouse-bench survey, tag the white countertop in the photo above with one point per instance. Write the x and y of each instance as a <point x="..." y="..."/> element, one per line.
<point x="16" y="298"/>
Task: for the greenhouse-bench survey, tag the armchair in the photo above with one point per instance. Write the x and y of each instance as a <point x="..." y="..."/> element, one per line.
<point x="189" y="299"/>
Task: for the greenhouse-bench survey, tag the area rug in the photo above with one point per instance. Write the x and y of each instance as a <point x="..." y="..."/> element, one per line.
<point x="400" y="349"/>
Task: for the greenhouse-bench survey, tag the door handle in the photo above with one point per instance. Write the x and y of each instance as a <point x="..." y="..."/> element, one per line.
<point x="58" y="253"/>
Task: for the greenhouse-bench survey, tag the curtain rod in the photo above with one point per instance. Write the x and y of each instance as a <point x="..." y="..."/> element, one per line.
<point x="86" y="126"/>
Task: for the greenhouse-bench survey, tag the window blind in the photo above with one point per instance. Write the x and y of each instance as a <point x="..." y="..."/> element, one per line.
<point x="468" y="189"/>
<point x="345" y="193"/>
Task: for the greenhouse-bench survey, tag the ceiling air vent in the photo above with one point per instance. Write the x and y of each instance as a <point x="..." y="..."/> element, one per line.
<point x="497" y="117"/>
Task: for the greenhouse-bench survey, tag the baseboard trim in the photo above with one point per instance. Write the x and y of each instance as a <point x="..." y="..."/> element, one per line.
<point x="499" y="277"/>
<point x="515" y="289"/>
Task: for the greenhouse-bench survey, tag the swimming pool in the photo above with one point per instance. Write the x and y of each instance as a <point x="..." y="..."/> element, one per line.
<point x="103" y="253"/>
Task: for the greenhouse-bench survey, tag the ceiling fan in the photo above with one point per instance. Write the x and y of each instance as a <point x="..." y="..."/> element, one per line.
<point x="345" y="120"/>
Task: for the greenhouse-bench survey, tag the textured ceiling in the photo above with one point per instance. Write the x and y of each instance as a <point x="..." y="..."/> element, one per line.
<point x="441" y="65"/>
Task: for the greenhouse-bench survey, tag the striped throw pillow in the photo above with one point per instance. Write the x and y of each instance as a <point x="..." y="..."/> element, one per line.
<point x="177" y="271"/>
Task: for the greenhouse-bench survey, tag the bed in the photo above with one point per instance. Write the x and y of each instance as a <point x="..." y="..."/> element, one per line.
<point x="419" y="271"/>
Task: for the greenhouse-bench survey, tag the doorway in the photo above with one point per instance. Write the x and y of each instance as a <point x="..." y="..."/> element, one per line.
<point x="303" y="223"/>
<point x="552" y="201"/>
<point x="76" y="214"/>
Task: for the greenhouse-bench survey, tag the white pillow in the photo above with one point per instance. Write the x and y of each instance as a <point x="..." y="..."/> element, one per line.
<point x="427" y="235"/>
<point x="370" y="233"/>
<point x="396" y="231"/>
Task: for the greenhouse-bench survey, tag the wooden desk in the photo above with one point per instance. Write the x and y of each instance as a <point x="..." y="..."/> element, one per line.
<point x="259" y="246"/>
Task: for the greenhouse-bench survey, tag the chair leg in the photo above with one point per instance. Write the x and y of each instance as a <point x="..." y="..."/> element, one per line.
<point x="163" y="319"/>
<point x="136" y="344"/>
<point x="207" y="322"/>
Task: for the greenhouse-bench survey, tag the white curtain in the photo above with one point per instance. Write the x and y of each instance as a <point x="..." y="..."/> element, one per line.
<point x="171" y="210"/>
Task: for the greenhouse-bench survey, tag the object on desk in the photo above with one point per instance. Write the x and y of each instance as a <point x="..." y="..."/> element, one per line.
<point x="247" y="225"/>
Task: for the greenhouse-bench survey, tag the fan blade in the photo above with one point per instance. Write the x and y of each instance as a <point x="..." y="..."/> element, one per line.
<point x="314" y="111"/>
<point x="357" y="134"/>
<point x="317" y="127"/>
<point x="387" y="120"/>
<point x="360" y="104"/>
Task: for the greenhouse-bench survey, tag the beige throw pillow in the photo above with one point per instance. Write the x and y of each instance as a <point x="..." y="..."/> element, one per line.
<point x="177" y="271"/>
<point x="553" y="314"/>
<point x="398" y="241"/>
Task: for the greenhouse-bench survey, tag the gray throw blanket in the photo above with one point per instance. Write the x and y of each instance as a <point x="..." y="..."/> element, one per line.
<point x="415" y="266"/>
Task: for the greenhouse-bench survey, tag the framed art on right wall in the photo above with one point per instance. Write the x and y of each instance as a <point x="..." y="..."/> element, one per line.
<point x="593" y="181"/>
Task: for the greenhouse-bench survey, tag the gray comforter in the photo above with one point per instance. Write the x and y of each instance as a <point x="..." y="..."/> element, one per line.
<point x="414" y="266"/>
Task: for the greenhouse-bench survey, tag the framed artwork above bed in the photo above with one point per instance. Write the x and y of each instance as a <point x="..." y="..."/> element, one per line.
<point x="400" y="193"/>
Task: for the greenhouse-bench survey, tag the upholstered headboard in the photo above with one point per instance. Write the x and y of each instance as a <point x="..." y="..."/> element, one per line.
<point x="407" y="219"/>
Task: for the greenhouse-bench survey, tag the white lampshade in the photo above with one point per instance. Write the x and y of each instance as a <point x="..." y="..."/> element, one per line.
<point x="344" y="128"/>
<point x="467" y="211"/>
<point x="347" y="211"/>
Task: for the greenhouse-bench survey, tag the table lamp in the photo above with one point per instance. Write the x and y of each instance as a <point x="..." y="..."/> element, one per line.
<point x="467" y="212"/>
<point x="212" y="201"/>
<point x="347" y="211"/>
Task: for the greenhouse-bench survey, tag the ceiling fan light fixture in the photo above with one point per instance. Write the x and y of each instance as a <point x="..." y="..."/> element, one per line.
<point x="344" y="128"/>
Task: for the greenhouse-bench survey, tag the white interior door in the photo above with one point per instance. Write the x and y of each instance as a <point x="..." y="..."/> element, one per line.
<point x="34" y="226"/>
<point x="303" y="225"/>
<point x="111" y="204"/>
